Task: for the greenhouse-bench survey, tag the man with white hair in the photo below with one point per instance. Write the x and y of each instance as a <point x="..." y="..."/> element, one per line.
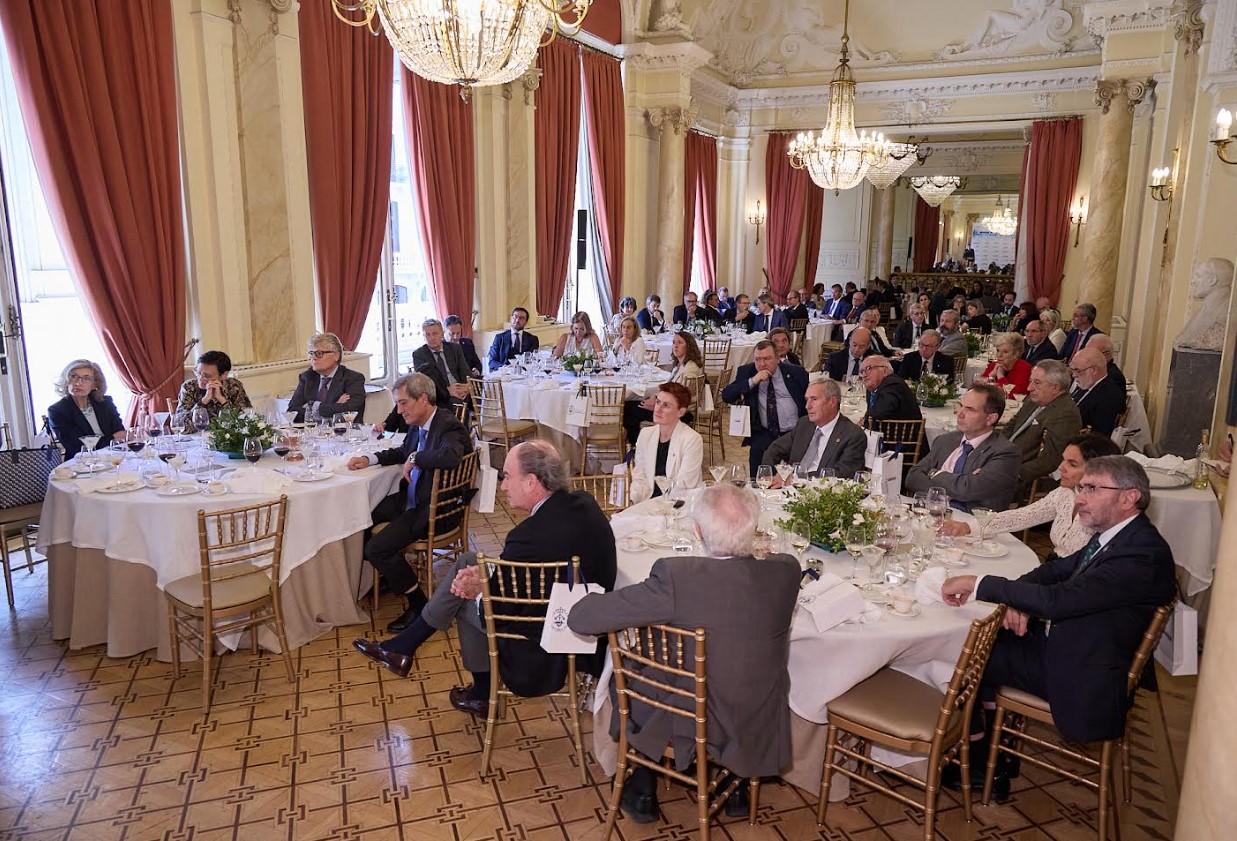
<point x="1099" y="397"/>
<point x="889" y="397"/>
<point x="1045" y="423"/>
<point x="1103" y="343"/>
<point x="871" y="319"/>
<point x="748" y="680"/>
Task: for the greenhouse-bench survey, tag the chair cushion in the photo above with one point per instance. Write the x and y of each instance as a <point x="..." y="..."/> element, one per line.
<point x="20" y="513"/>
<point x="238" y="589"/>
<point x="494" y="429"/>
<point x="892" y="703"/>
<point x="1019" y="696"/>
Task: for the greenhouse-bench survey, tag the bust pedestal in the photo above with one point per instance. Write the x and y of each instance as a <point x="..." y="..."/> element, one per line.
<point x="1192" y="383"/>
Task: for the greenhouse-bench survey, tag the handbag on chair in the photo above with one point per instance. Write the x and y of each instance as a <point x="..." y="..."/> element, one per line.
<point x="24" y="473"/>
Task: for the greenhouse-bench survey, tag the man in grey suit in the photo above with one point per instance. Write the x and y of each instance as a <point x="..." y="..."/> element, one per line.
<point x="1045" y="423"/>
<point x="748" y="681"/>
<point x="953" y="342"/>
<point x="977" y="468"/>
<point x="823" y="439"/>
<point x="447" y="357"/>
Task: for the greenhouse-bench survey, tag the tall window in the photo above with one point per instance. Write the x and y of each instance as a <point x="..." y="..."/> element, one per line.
<point x="56" y="328"/>
<point x="583" y="290"/>
<point x="403" y="296"/>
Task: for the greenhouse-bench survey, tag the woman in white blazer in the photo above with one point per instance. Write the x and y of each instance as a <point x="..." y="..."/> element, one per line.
<point x="688" y="364"/>
<point x="669" y="447"/>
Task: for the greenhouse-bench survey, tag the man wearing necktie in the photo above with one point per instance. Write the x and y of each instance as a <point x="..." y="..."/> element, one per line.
<point x="333" y="386"/>
<point x="447" y="357"/>
<point x="976" y="467"/>
<point x="1045" y="423"/>
<point x="435" y="441"/>
<point x="1072" y="624"/>
<point x="823" y="439"/>
<point x="774" y="394"/>
<point x="768" y="316"/>
<point x="511" y="343"/>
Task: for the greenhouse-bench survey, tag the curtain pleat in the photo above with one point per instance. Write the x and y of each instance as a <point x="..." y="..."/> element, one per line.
<point x="556" y="130"/>
<point x="814" y="214"/>
<point x="1048" y="190"/>
<point x="786" y="189"/>
<point x="605" y="111"/>
<point x="700" y="208"/>
<point x="927" y="230"/>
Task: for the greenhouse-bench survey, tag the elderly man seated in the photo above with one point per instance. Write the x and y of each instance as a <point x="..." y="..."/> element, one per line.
<point x="748" y="681"/>
<point x="561" y="523"/>
<point x="1099" y="602"/>
<point x="977" y="468"/>
<point x="906" y="334"/>
<point x="871" y="319"/>
<point x="845" y="362"/>
<point x="1100" y="398"/>
<point x="1038" y="348"/>
<point x="1103" y="343"/>
<point x="825" y="439"/>
<point x="889" y="397"/>
<point x="1046" y="422"/>
<point x="927" y="359"/>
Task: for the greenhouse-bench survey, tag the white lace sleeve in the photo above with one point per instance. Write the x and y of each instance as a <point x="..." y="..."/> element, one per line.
<point x="1042" y="510"/>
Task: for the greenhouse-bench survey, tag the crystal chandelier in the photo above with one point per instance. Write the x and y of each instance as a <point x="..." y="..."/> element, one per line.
<point x="466" y="42"/>
<point x="898" y="159"/>
<point x="839" y="158"/>
<point x="934" y="189"/>
<point x="1002" y="222"/>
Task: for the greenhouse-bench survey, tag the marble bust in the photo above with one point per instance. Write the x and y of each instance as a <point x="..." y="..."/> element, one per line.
<point x="1212" y="284"/>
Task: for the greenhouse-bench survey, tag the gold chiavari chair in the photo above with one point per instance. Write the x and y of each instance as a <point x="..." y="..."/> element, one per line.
<point x="652" y="355"/>
<point x="705" y="421"/>
<point x="893" y="710"/>
<point x="514" y="599"/>
<point x="798" y="335"/>
<point x="663" y="667"/>
<point x="237" y="587"/>
<point x="604" y="433"/>
<point x="827" y="348"/>
<point x="960" y="365"/>
<point x="1020" y="706"/>
<point x="612" y="492"/>
<point x="490" y="421"/>
<point x="716" y="355"/>
<point x="905" y="436"/>
<point x="885" y="308"/>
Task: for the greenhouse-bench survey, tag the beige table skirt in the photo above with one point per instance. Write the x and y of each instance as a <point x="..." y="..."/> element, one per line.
<point x="97" y="600"/>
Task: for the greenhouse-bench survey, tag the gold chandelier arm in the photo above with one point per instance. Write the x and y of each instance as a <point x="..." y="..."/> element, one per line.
<point x="366" y="7"/>
<point x="559" y="8"/>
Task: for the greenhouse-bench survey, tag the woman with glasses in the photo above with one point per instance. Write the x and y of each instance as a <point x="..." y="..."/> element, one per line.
<point x="1067" y="533"/>
<point x="328" y="383"/>
<point x="212" y="388"/>
<point x="85" y="408"/>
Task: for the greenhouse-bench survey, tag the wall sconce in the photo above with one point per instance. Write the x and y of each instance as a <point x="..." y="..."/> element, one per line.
<point x="1077" y="217"/>
<point x="1161" y="186"/>
<point x="1223" y="134"/>
<point x="757" y="219"/>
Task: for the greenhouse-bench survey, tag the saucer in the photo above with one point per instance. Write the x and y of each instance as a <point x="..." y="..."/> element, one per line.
<point x="178" y="489"/>
<point x="122" y="487"/>
<point x="633" y="544"/>
<point x="989" y="549"/>
<point x="914" y="611"/>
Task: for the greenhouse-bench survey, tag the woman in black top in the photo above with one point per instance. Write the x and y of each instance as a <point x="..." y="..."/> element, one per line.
<point x="85" y="408"/>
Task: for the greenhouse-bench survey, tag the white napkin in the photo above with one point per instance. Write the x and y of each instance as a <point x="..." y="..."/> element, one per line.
<point x="928" y="587"/>
<point x="832" y="601"/>
<point x="1175" y="464"/>
<point x="550" y="385"/>
<point x="635" y="524"/>
<point x="91" y="484"/>
<point x="259" y="481"/>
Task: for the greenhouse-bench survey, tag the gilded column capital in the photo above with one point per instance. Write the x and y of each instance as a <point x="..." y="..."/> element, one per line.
<point x="1187" y="18"/>
<point x="676" y="118"/>
<point x="1134" y="91"/>
<point x="530" y="82"/>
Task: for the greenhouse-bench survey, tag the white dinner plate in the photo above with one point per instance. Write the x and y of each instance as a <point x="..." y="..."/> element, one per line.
<point x="308" y="476"/>
<point x="950" y="562"/>
<point x="122" y="487"/>
<point x="990" y="549"/>
<point x="178" y="489"/>
<point x="1161" y="479"/>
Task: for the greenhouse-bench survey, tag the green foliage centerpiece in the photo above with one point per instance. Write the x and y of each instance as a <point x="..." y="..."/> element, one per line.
<point x="1001" y="322"/>
<point x="583" y="358"/>
<point x="974" y="343"/>
<point x="700" y="328"/>
<point x="230" y="427"/>
<point x="935" y="390"/>
<point x="831" y="506"/>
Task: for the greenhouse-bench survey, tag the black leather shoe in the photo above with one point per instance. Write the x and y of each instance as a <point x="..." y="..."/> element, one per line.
<point x="398" y="664"/>
<point x="404" y="620"/>
<point x="738" y="804"/>
<point x="951" y="778"/>
<point x="641" y="808"/>
<point x="460" y="700"/>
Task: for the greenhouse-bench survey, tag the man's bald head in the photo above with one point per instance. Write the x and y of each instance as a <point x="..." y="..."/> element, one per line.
<point x="860" y="340"/>
<point x="1088" y="366"/>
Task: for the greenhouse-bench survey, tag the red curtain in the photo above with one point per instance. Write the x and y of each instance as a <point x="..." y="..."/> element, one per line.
<point x="927" y="230"/>
<point x="1052" y="173"/>
<point x="346" y="74"/>
<point x="815" y="212"/>
<point x="440" y="141"/>
<point x="786" y="188"/>
<point x="700" y="208"/>
<point x="1022" y="191"/>
<point x="97" y="84"/>
<point x="605" y="110"/>
<point x="556" y="130"/>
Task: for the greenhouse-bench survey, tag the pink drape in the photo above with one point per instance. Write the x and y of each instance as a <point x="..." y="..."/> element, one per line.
<point x="927" y="231"/>
<point x="440" y="143"/>
<point x="1022" y="191"/>
<point x="605" y="111"/>
<point x="97" y="84"/>
<point x="556" y="130"/>
<point x="700" y="208"/>
<point x="814" y="216"/>
<point x="346" y="74"/>
<point x="786" y="189"/>
<point x="1052" y="173"/>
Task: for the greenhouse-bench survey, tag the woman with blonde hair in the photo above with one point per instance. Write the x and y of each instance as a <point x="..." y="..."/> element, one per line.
<point x="1051" y="320"/>
<point x="581" y="336"/>
<point x="84" y="408"/>
<point x="629" y="347"/>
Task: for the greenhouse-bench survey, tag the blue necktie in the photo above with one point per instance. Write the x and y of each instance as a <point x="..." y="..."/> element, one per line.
<point x="415" y="473"/>
<point x="960" y="464"/>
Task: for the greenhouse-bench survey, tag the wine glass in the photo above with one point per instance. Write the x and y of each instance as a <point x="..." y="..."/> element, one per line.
<point x="253" y="451"/>
<point x="350" y="418"/>
<point x="938" y="502"/>
<point x="154" y="424"/>
<point x="663" y="484"/>
<point x="800" y="537"/>
<point x="762" y="544"/>
<point x="764" y="477"/>
<point x="873" y="556"/>
<point x="281" y="444"/>
<point x="856" y="538"/>
<point x="135" y="440"/>
<point x="165" y="450"/>
<point x="983" y="518"/>
<point x="176" y="462"/>
<point x="718" y="471"/>
<point x="89" y="442"/>
<point x="200" y="418"/>
<point x="919" y="505"/>
<point x="784" y="472"/>
<point x="864" y="477"/>
<point x="339" y="424"/>
<point x="738" y="475"/>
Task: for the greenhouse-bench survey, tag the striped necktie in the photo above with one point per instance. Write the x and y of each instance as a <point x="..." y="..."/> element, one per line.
<point x="1088" y="554"/>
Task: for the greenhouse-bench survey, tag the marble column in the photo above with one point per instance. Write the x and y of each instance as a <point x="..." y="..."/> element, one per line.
<point x="673" y="124"/>
<point x="942" y="235"/>
<point x="884" y="233"/>
<point x="1116" y="99"/>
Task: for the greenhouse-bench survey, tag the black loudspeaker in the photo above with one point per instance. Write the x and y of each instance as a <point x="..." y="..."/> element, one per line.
<point x="581" y="239"/>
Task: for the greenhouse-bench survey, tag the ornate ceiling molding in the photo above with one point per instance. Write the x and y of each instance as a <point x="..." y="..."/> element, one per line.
<point x="1030" y="24"/>
<point x="529" y="83"/>
<point x="1187" y="18"/>
<point x="684" y="56"/>
<point x="1123" y="16"/>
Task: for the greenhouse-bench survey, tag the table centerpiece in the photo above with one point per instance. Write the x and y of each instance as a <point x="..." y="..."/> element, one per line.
<point x="830" y="507"/>
<point x="230" y="427"/>
<point x="935" y="390"/>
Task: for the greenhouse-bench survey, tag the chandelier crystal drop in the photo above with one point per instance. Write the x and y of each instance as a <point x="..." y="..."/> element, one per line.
<point x="470" y="43"/>
<point x="1003" y="222"/>
<point x="934" y="189"/>
<point x="899" y="158"/>
<point x="839" y="157"/>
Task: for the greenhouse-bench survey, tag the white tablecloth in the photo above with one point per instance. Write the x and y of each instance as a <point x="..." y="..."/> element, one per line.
<point x="545" y="400"/>
<point x="1137" y="426"/>
<point x="742" y="348"/>
<point x="1189" y="519"/>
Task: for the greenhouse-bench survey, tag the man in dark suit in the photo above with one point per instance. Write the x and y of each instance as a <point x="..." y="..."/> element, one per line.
<point x="447" y="357"/>
<point x="767" y="315"/>
<point x="845" y="362"/>
<point x="690" y="310"/>
<point x="1103" y="343"/>
<point x="871" y="320"/>
<point x="725" y="301"/>
<point x="1099" y="600"/>
<point x="837" y="307"/>
<point x="651" y="318"/>
<point x="927" y="358"/>
<point x="889" y="397"/>
<point x="509" y="344"/>
<point x="823" y="439"/>
<point x="1084" y="328"/>
<point x="795" y="310"/>
<point x="858" y="303"/>
<point x="1038" y="347"/>
<point x="780" y="337"/>
<point x="327" y="382"/>
<point x="774" y="394"/>
<point x="1100" y="398"/>
<point x="1008" y="307"/>
<point x="435" y="441"/>
<point x="976" y="467"/>
<point x="908" y="332"/>
<point x="455" y="334"/>
<point x="561" y="523"/>
<point x="746" y="666"/>
<point x="1046" y="422"/>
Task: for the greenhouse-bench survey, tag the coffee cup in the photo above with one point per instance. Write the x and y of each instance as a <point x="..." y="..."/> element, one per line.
<point x="902" y="603"/>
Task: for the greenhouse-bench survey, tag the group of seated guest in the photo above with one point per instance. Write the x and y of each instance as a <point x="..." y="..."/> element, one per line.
<point x="823" y="439"/>
<point x="741" y="314"/>
<point x="1009" y="370"/>
<point x="926" y="359"/>
<point x="688" y="363"/>
<point x="691" y="310"/>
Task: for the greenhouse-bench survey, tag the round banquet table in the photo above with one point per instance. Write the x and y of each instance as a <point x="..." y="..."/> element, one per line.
<point x="111" y="555"/>
<point x="825" y="665"/>
<point x="742" y="348"/>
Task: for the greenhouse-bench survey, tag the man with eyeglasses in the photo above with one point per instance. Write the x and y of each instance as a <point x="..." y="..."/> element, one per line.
<point x="334" y="387"/>
<point x="1045" y="422"/>
<point x="927" y="359"/>
<point x="1100" y="398"/>
<point x="845" y="362"/>
<point x="775" y="394"/>
<point x="889" y="397"/>
<point x="509" y="344"/>
<point x="1072" y="624"/>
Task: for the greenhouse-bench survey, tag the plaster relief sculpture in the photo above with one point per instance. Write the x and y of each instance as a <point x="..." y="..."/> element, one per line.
<point x="1029" y="26"/>
<point x="1212" y="284"/>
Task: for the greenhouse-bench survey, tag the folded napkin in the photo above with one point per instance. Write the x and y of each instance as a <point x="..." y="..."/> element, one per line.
<point x="259" y="481"/>
<point x="832" y="601"/>
<point x="550" y="385"/>
<point x="1174" y="464"/>
<point x="928" y="587"/>
<point x="89" y="485"/>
